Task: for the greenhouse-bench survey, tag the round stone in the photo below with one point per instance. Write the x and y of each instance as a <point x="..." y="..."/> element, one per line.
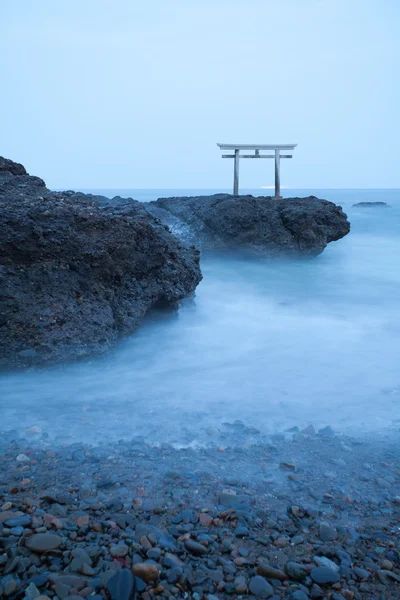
<point x="240" y="585"/>
<point x="323" y="575"/>
<point x="195" y="548"/>
<point x="296" y="571"/>
<point x="146" y="571"/>
<point x="43" y="542"/>
<point x="119" y="550"/>
<point x="324" y="561"/>
<point x="327" y="533"/>
<point x="270" y="572"/>
<point x="260" y="587"/>
<point x="299" y="595"/>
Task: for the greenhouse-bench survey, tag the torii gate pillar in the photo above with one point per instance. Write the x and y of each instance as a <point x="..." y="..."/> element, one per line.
<point x="278" y="174"/>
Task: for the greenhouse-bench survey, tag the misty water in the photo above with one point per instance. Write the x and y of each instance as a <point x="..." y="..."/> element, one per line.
<point x="273" y="343"/>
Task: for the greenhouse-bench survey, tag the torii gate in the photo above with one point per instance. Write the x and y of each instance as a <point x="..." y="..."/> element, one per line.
<point x="257" y="147"/>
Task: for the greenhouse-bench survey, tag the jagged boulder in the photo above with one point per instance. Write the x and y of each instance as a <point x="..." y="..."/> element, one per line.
<point x="259" y="225"/>
<point x="76" y="273"/>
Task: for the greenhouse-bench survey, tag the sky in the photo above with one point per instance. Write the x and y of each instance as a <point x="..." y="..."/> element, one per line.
<point x="129" y="94"/>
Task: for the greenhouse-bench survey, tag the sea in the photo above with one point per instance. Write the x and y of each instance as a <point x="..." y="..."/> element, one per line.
<point x="275" y="344"/>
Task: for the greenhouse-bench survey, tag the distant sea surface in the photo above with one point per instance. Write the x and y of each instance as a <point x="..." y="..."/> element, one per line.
<point x="274" y="343"/>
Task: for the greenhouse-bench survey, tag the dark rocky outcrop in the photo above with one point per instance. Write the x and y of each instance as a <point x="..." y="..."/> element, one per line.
<point x="259" y="225"/>
<point x="371" y="204"/>
<point x="76" y="274"/>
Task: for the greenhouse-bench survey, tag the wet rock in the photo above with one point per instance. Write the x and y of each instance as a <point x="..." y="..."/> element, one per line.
<point x="386" y="565"/>
<point x="260" y="588"/>
<point x="386" y="576"/>
<point x="327" y="533"/>
<point x="361" y="573"/>
<point x="234" y="501"/>
<point x="241" y="532"/>
<point x="296" y="571"/>
<point x="326" y="432"/>
<point x="83" y="520"/>
<point x="383" y="483"/>
<point x="309" y="430"/>
<point x="8" y="514"/>
<point x="10" y="587"/>
<point x="195" y="548"/>
<point x="21" y="458"/>
<point x="289" y="466"/>
<point x="262" y="225"/>
<point x="170" y="560"/>
<point x="146" y="571"/>
<point x="119" y="550"/>
<point x="205" y="519"/>
<point x="298" y="595"/>
<point x="122" y="585"/>
<point x="270" y="572"/>
<point x="324" y="575"/>
<point x="78" y="271"/>
<point x="323" y="561"/>
<point x="240" y="585"/>
<point x="43" y="542"/>
<point x="62" y="590"/>
<point x="19" y="521"/>
<point x="175" y="574"/>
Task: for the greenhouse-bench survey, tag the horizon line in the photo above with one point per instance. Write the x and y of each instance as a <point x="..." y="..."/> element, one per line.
<point x="67" y="188"/>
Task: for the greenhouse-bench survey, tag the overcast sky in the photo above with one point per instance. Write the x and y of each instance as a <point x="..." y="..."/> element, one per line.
<point x="129" y="94"/>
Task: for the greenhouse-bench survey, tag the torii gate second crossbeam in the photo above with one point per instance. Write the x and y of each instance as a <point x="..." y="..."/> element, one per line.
<point x="257" y="147"/>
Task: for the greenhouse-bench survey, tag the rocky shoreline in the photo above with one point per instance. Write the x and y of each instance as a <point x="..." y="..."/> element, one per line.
<point x="257" y="226"/>
<point x="76" y="274"/>
<point x="304" y="515"/>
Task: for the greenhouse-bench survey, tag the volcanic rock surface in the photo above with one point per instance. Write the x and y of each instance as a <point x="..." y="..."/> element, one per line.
<point x="257" y="225"/>
<point x="77" y="273"/>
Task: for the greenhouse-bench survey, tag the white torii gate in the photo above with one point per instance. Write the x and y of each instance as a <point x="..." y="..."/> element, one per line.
<point x="257" y="147"/>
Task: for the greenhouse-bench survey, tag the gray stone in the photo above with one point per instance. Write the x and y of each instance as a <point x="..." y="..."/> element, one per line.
<point x="119" y="550"/>
<point x="327" y="533"/>
<point x="62" y="590"/>
<point x="260" y="587"/>
<point x="323" y="561"/>
<point x="43" y="542"/>
<point x="10" y="587"/>
<point x="324" y="575"/>
<point x="19" y="521"/>
<point x="270" y="572"/>
<point x="295" y="571"/>
<point x="299" y="595"/>
<point x="361" y="573"/>
<point x="195" y="548"/>
<point x="175" y="574"/>
<point x="122" y="585"/>
<point x="326" y="431"/>
<point x="32" y="592"/>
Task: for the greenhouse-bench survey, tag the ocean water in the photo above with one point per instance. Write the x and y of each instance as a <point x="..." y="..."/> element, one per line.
<point x="273" y="343"/>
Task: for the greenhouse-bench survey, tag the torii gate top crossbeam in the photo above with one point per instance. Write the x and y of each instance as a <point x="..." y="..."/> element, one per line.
<point x="257" y="147"/>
